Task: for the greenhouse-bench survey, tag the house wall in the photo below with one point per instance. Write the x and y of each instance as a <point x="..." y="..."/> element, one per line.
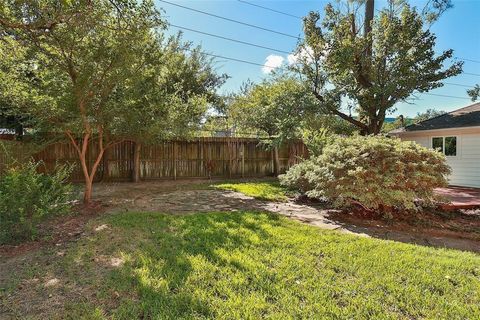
<point x="466" y="164"/>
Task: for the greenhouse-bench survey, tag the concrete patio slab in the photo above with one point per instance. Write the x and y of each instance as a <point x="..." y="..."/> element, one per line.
<point x="460" y="197"/>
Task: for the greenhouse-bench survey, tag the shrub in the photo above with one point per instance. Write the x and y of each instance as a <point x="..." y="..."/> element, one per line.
<point x="316" y="140"/>
<point x="377" y="172"/>
<point x="27" y="197"/>
<point x="296" y="177"/>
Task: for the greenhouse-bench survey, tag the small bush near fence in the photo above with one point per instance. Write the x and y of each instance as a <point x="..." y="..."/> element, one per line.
<point x="27" y="197"/>
<point x="377" y="172"/>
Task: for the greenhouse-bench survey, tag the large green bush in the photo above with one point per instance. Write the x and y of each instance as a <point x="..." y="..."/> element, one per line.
<point x="27" y="197"/>
<point x="377" y="172"/>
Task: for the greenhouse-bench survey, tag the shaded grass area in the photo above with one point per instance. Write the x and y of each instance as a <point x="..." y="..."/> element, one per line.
<point x="263" y="190"/>
<point x="244" y="265"/>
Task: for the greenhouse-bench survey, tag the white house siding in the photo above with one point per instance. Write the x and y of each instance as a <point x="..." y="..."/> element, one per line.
<point x="466" y="164"/>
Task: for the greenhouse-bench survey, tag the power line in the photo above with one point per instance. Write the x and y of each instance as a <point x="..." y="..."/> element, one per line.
<point x="273" y="49"/>
<point x="472" y="74"/>
<point x="458" y="85"/>
<point x="470" y="60"/>
<point x="270" y="9"/>
<point x="271" y="30"/>
<point x="272" y="67"/>
<point x="291" y="15"/>
<point x="237" y="60"/>
<point x="231" y="20"/>
<point x="230" y="39"/>
<point x="445" y="95"/>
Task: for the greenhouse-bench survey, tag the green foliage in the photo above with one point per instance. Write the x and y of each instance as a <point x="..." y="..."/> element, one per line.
<point x="170" y="96"/>
<point x="399" y="122"/>
<point x="276" y="107"/>
<point x="298" y="176"/>
<point x="15" y="78"/>
<point x="428" y="114"/>
<point x="106" y="72"/>
<point x="474" y="93"/>
<point x="270" y="191"/>
<point x="28" y="197"/>
<point x="333" y="124"/>
<point x="373" y="70"/>
<point x="378" y="172"/>
<point x="316" y="140"/>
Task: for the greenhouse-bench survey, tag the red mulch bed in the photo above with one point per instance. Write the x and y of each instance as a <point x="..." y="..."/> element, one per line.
<point x="433" y="222"/>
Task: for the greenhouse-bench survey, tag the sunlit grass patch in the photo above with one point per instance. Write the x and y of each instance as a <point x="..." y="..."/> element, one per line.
<point x="269" y="190"/>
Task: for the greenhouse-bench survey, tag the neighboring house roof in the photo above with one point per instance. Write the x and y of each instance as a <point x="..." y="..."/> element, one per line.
<point x="7" y="131"/>
<point x="464" y="117"/>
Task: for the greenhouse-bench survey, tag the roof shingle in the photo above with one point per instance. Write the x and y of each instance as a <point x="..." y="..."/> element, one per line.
<point x="465" y="117"/>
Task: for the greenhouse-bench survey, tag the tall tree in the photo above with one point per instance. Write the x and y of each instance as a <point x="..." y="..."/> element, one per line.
<point x="83" y="51"/>
<point x="335" y="59"/>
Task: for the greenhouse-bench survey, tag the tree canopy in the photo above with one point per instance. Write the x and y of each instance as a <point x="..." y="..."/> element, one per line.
<point x="368" y="72"/>
<point x="275" y="107"/>
<point x="104" y="72"/>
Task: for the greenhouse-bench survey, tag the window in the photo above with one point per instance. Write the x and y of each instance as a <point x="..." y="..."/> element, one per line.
<point x="445" y="145"/>
<point x="437" y="144"/>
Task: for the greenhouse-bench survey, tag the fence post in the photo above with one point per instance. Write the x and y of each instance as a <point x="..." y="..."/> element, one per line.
<point x="243" y="159"/>
<point x="174" y="160"/>
<point x="136" y="161"/>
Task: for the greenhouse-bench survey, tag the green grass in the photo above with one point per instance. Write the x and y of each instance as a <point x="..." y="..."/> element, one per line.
<point x="267" y="190"/>
<point x="249" y="265"/>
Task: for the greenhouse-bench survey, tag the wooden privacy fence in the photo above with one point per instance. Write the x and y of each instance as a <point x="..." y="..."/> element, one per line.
<point x="197" y="158"/>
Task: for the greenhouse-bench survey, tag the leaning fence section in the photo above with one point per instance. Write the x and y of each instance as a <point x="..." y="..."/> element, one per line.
<point x="198" y="158"/>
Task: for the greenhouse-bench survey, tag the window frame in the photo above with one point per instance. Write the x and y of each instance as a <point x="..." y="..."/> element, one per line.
<point x="457" y="144"/>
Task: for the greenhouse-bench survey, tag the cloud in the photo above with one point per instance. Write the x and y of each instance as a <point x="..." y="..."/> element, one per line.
<point x="305" y="54"/>
<point x="272" y="62"/>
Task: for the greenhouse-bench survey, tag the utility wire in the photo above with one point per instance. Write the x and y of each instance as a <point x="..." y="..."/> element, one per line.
<point x="472" y="74"/>
<point x="230" y="39"/>
<point x="445" y="95"/>
<point x="237" y="60"/>
<point x="268" y="48"/>
<point x="458" y="85"/>
<point x="231" y="20"/>
<point x="470" y="60"/>
<point x="270" y="9"/>
<point x="255" y="45"/>
<point x="291" y="15"/>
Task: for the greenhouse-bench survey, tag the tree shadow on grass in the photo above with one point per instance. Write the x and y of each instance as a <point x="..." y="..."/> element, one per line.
<point x="164" y="268"/>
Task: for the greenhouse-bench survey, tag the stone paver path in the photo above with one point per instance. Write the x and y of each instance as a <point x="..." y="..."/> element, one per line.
<point x="194" y="201"/>
<point x="188" y="197"/>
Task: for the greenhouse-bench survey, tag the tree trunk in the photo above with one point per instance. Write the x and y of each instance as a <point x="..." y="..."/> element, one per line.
<point x="87" y="195"/>
<point x="369" y="12"/>
<point x="89" y="174"/>
<point x="88" y="190"/>
<point x="276" y="162"/>
<point x="136" y="162"/>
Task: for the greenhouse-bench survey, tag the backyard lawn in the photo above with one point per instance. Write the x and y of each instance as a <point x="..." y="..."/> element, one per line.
<point x="239" y="265"/>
